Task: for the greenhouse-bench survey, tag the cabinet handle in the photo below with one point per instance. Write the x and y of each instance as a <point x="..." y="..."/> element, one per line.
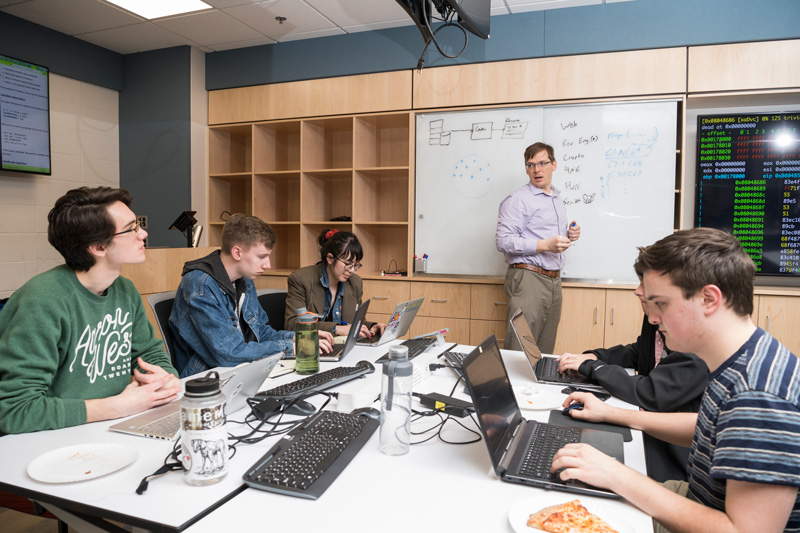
<point x="380" y="297"/>
<point x="595" y="315"/>
<point x="501" y="303"/>
<point x="767" y="323"/>
<point x="612" y="316"/>
<point x="439" y="301"/>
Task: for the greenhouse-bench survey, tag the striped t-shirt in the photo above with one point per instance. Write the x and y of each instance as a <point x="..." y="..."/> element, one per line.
<point x="748" y="427"/>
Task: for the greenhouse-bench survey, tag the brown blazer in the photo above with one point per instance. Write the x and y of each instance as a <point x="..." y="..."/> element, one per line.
<point x="306" y="290"/>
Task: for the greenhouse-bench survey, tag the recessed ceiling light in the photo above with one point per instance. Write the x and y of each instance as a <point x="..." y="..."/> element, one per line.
<point x="153" y="9"/>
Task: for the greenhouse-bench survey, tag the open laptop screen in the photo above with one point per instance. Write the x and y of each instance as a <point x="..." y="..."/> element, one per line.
<point x="492" y="395"/>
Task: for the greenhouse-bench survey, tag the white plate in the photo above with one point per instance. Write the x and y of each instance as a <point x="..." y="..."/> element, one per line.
<point x="81" y="461"/>
<point x="522" y="510"/>
<point x="538" y="397"/>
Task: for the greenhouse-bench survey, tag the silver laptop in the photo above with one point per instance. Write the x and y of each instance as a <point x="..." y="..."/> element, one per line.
<point x="545" y="369"/>
<point x="522" y="450"/>
<point x="340" y="350"/>
<point x="238" y="384"/>
<point x="398" y="325"/>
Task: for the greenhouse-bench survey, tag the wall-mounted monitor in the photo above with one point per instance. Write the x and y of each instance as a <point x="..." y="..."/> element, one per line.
<point x="748" y="183"/>
<point x="473" y="15"/>
<point x="420" y="13"/>
<point x="24" y="117"/>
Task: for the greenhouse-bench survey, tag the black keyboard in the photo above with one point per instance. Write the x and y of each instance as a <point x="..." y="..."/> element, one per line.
<point x="547" y="369"/>
<point x="456" y="359"/>
<point x="415" y="347"/>
<point x="545" y="442"/>
<point x="320" y="381"/>
<point x="306" y="461"/>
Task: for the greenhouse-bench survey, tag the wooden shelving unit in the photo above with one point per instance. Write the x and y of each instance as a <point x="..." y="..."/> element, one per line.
<point x="298" y="175"/>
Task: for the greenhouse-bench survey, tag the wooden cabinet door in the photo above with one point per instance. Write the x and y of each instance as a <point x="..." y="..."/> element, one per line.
<point x="779" y="316"/>
<point x="385" y="295"/>
<point x="479" y="330"/>
<point x="442" y="299"/>
<point x="582" y="320"/>
<point x="623" y="318"/>
<point x="459" y="328"/>
<point x="488" y="302"/>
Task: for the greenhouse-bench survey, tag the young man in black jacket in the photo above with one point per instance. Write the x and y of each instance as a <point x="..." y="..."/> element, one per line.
<point x="667" y="382"/>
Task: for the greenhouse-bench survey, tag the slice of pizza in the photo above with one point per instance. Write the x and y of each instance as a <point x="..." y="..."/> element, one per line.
<point x="570" y="517"/>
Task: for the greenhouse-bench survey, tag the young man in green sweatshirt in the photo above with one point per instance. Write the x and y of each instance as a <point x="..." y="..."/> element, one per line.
<point x="75" y="343"/>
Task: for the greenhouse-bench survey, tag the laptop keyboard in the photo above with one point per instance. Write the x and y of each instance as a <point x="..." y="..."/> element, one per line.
<point x="306" y="461"/>
<point x="415" y="347"/>
<point x="163" y="427"/>
<point x="547" y="367"/>
<point x="545" y="442"/>
<point x="320" y="381"/>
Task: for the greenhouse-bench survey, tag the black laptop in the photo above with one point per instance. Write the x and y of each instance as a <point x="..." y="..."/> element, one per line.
<point x="340" y="350"/>
<point x="522" y="451"/>
<point x="545" y="369"/>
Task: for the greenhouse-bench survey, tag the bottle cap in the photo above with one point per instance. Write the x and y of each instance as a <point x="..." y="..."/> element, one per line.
<point x="398" y="353"/>
<point x="208" y="384"/>
<point x="305" y="316"/>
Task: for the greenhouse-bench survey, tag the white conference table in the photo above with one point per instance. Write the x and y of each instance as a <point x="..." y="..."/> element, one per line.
<point x="436" y="486"/>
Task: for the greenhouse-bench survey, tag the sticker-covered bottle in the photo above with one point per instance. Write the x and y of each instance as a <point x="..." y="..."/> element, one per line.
<point x="204" y="438"/>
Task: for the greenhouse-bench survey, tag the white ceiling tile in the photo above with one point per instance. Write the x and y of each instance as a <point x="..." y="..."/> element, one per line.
<point x="520" y="6"/>
<point x="378" y="25"/>
<point x="210" y="27"/>
<point x="300" y="18"/>
<point x="239" y="44"/>
<point x="41" y="21"/>
<point x="86" y="15"/>
<point x="219" y="4"/>
<point x="136" y="38"/>
<point x="358" y="12"/>
<point x="310" y="35"/>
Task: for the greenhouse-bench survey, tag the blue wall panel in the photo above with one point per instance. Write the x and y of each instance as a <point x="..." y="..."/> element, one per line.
<point x="617" y="26"/>
<point x="154" y="139"/>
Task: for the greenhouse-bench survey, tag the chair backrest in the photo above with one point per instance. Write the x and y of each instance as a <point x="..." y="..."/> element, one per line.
<point x="273" y="302"/>
<point x="161" y="303"/>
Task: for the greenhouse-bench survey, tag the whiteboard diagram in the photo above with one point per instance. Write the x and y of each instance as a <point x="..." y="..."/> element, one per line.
<point x="512" y="129"/>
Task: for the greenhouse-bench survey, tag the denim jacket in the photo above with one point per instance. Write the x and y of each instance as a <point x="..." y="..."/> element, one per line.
<point x="204" y="323"/>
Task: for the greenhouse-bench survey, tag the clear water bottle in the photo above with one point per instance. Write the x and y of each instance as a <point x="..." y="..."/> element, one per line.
<point x="306" y="342"/>
<point x="397" y="380"/>
<point x="204" y="438"/>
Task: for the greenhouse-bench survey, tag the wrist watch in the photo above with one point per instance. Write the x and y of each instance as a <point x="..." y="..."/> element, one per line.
<point x="333" y="331"/>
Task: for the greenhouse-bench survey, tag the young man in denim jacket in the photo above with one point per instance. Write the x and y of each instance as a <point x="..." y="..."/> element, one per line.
<point x="216" y="319"/>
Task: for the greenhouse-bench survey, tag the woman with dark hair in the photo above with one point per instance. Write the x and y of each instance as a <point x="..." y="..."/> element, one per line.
<point x="330" y="288"/>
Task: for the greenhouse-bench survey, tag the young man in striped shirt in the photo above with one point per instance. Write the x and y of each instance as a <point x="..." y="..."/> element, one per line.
<point x="744" y="465"/>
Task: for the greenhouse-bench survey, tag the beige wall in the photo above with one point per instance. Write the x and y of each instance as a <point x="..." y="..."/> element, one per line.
<point x="84" y="139"/>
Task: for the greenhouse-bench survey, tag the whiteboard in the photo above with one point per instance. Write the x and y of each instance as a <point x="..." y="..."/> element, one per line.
<point x="616" y="174"/>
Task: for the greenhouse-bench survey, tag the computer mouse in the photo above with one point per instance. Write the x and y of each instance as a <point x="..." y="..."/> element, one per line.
<point x="370" y="412"/>
<point x="576" y="405"/>
<point x="366" y="364"/>
<point x="300" y="408"/>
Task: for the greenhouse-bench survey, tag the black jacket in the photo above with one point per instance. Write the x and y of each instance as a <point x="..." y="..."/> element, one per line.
<point x="675" y="385"/>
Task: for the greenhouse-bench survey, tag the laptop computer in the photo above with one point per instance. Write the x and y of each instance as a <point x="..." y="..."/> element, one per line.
<point x="398" y="325"/>
<point x="341" y="350"/>
<point x="238" y="384"/>
<point x="545" y="369"/>
<point x="518" y="448"/>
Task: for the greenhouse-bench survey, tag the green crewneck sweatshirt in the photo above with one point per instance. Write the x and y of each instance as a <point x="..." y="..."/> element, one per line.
<point x="61" y="344"/>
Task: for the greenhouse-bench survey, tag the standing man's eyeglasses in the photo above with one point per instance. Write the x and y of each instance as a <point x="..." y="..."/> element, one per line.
<point x="540" y="166"/>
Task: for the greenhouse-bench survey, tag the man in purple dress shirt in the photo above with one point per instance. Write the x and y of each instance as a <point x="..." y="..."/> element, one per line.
<point x="533" y="232"/>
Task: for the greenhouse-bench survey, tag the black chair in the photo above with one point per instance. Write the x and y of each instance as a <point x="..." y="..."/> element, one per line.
<point x="161" y="303"/>
<point x="273" y="302"/>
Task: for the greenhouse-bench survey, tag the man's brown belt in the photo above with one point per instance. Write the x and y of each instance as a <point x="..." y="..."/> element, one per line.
<point x="538" y="270"/>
